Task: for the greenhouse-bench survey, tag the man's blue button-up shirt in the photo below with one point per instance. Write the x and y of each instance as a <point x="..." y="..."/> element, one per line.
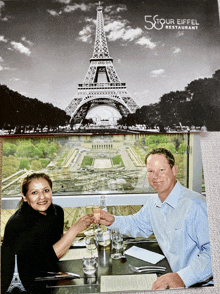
<point x="180" y="225"/>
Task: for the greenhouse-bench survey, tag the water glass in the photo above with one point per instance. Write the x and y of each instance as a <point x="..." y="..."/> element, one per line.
<point x="90" y="243"/>
<point x="102" y="237"/>
<point x="117" y="245"/>
<point x="89" y="265"/>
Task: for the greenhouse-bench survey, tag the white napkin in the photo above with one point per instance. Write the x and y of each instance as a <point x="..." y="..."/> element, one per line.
<point x="144" y="254"/>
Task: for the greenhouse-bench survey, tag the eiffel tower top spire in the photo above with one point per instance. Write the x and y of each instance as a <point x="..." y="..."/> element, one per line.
<point x="100" y="47"/>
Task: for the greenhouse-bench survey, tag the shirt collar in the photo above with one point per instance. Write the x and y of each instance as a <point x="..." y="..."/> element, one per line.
<point x="172" y="198"/>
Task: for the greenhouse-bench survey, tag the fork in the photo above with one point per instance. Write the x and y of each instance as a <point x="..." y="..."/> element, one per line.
<point x="146" y="268"/>
<point x="150" y="270"/>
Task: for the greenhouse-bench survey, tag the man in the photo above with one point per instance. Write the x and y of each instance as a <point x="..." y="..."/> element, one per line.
<point x="177" y="217"/>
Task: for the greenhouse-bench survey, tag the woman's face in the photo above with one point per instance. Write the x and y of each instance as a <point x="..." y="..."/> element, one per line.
<point x="39" y="195"/>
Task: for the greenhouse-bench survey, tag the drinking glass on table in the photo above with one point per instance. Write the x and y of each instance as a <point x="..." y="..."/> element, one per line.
<point x="90" y="243"/>
<point x="117" y="245"/>
<point x="89" y="265"/>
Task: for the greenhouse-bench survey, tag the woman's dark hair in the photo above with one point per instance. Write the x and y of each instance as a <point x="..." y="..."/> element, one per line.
<point x="169" y="156"/>
<point x="29" y="178"/>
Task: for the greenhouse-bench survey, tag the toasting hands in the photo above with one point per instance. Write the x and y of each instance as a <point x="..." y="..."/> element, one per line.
<point x="106" y="218"/>
<point x="84" y="222"/>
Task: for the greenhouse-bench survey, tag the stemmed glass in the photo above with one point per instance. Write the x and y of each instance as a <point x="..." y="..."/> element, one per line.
<point x="117" y="245"/>
<point x="90" y="229"/>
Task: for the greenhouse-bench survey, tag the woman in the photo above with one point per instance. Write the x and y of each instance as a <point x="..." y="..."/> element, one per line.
<point x="35" y="234"/>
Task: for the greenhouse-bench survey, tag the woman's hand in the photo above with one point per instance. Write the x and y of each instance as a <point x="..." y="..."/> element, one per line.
<point x="83" y="223"/>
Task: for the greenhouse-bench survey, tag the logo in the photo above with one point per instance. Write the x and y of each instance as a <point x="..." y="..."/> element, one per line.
<point x="154" y="22"/>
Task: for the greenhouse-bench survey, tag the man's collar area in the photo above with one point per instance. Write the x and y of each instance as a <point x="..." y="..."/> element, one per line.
<point x="172" y="198"/>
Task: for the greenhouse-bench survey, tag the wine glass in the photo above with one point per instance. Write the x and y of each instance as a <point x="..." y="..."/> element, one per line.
<point x="90" y="229"/>
<point x="96" y="212"/>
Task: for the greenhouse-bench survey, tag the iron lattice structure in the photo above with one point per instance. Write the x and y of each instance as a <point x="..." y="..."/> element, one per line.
<point x="16" y="282"/>
<point x="101" y="85"/>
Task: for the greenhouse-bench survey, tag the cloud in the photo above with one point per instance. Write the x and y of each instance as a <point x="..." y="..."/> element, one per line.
<point x="6" y="68"/>
<point x="53" y="12"/>
<point x="120" y="30"/>
<point x="180" y="33"/>
<point x="85" y="35"/>
<point x="67" y="8"/>
<point x="143" y="41"/>
<point x="20" y="48"/>
<point x="115" y="9"/>
<point x="176" y="50"/>
<point x="1" y="59"/>
<point x="24" y="39"/>
<point x="2" y="5"/>
<point x="2" y="39"/>
<point x="15" y="79"/>
<point x="63" y="1"/>
<point x="121" y="8"/>
<point x="70" y="8"/>
<point x="157" y="73"/>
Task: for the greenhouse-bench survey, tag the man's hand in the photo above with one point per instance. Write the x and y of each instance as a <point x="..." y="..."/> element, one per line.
<point x="171" y="280"/>
<point x="105" y="218"/>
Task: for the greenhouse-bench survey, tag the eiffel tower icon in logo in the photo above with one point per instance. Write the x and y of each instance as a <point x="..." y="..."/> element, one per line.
<point x="16" y="281"/>
<point x="101" y="85"/>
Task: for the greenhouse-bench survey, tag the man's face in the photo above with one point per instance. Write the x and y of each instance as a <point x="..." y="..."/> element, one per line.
<point x="161" y="176"/>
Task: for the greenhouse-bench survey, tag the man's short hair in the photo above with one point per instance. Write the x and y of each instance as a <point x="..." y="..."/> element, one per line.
<point x="169" y="156"/>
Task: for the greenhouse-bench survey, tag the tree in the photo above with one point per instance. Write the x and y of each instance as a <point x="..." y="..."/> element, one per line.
<point x="171" y="107"/>
<point x="20" y="112"/>
<point x="171" y="147"/>
<point x="36" y="165"/>
<point x="182" y="148"/>
<point x="204" y="96"/>
<point x="44" y="162"/>
<point x="25" y="149"/>
<point x="10" y="165"/>
<point x="155" y="139"/>
<point x="52" y="151"/>
<point x="24" y="163"/>
<point x="9" y="149"/>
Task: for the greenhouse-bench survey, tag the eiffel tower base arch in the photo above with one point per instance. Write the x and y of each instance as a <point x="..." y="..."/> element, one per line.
<point x="82" y="111"/>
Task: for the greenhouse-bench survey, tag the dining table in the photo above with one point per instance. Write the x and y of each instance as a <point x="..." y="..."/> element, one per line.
<point x="109" y="271"/>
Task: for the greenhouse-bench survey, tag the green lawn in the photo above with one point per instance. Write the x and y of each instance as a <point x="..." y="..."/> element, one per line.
<point x="87" y="161"/>
<point x="117" y="160"/>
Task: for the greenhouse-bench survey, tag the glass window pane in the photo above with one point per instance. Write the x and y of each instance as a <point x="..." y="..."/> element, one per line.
<point x="108" y="164"/>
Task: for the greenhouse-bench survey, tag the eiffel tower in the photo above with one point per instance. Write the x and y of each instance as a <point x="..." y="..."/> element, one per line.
<point x="16" y="282"/>
<point x="101" y="85"/>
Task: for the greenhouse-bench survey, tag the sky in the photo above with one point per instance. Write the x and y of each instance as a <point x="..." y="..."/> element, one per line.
<point x="46" y="45"/>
